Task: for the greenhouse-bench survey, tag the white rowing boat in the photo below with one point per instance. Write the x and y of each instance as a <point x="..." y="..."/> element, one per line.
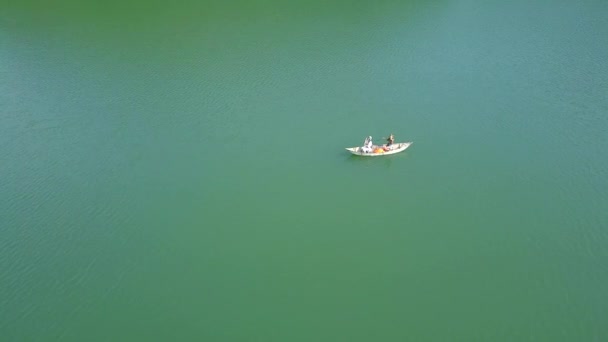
<point x="380" y="150"/>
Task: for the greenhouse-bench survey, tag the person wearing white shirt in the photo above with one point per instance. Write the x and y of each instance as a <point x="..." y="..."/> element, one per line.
<point x="367" y="145"/>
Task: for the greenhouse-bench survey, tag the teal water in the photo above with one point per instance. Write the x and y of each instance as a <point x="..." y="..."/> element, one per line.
<point x="178" y="172"/>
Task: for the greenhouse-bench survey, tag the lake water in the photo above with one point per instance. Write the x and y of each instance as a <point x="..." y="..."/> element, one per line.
<point x="177" y="172"/>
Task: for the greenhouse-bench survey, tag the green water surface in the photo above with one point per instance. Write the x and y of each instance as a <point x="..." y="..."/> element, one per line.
<point x="177" y="171"/>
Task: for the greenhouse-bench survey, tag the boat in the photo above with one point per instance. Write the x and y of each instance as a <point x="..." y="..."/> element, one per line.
<point x="382" y="150"/>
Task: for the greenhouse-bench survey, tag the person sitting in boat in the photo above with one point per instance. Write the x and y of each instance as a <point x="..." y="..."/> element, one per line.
<point x="367" y="145"/>
<point x="390" y="140"/>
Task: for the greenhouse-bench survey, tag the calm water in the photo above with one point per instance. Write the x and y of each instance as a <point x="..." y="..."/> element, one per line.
<point x="178" y="172"/>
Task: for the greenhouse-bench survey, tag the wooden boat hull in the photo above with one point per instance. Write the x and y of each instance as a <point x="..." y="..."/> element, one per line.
<point x="395" y="148"/>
